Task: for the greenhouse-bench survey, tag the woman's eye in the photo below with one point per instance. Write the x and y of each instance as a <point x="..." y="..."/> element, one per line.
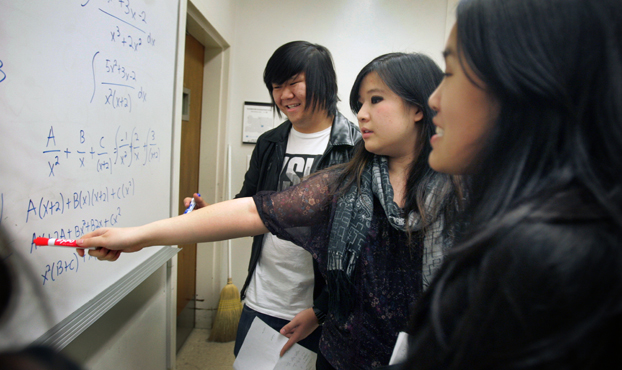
<point x="376" y="99"/>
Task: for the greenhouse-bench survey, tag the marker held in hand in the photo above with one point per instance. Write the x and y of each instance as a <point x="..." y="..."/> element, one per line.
<point x="192" y="205"/>
<point x="51" y="242"/>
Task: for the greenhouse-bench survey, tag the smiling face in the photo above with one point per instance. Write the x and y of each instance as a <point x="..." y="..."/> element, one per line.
<point x="465" y="115"/>
<point x="291" y="98"/>
<point x="387" y="123"/>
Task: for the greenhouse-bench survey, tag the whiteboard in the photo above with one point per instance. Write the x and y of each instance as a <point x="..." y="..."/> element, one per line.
<point x="86" y="118"/>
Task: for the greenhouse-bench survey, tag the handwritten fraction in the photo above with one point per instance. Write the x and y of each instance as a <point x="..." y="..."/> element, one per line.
<point x="130" y="24"/>
<point x="121" y="88"/>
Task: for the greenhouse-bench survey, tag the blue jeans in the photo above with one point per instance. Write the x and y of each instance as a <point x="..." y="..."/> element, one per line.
<point x="248" y="315"/>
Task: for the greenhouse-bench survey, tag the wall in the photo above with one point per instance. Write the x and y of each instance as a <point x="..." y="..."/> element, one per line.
<point x="355" y="31"/>
<point x="220" y="14"/>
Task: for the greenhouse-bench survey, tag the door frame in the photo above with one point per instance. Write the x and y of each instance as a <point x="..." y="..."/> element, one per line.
<point x="213" y="144"/>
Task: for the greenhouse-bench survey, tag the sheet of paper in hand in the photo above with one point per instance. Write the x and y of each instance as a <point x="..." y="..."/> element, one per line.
<point x="261" y="349"/>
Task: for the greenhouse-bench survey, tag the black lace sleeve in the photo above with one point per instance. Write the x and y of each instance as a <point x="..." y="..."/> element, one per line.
<point x="300" y="214"/>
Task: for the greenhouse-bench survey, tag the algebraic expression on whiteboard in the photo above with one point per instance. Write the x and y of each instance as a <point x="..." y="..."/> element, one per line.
<point x="87" y="100"/>
<point x="100" y="152"/>
<point x="129" y="24"/>
<point x="128" y="31"/>
<point x="62" y="267"/>
<point x="79" y="229"/>
<point x="58" y="204"/>
<point x="117" y="83"/>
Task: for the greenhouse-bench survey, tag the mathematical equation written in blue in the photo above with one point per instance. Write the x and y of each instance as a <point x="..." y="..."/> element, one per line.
<point x="44" y="207"/>
<point x="116" y="84"/>
<point x="63" y="267"/>
<point x="127" y="148"/>
<point x="130" y="30"/>
<point x="78" y="230"/>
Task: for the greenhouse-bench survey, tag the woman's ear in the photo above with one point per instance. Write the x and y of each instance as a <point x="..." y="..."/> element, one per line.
<point x="417" y="114"/>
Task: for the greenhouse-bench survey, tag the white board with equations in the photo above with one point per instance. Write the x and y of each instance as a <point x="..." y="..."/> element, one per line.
<point x="86" y="116"/>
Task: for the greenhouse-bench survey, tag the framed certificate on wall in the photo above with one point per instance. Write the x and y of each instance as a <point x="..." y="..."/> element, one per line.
<point x="258" y="118"/>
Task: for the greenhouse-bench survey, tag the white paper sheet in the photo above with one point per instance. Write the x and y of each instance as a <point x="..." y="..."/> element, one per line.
<point x="400" y="351"/>
<point x="261" y="349"/>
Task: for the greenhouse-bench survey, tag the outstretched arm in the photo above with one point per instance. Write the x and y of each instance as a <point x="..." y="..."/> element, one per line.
<point x="225" y="220"/>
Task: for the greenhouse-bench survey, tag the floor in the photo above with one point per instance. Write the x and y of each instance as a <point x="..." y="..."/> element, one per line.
<point x="199" y="354"/>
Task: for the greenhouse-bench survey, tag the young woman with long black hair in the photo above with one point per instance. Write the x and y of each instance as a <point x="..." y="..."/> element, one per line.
<point x="531" y="110"/>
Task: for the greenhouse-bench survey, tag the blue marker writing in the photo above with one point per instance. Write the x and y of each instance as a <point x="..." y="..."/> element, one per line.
<point x="192" y="205"/>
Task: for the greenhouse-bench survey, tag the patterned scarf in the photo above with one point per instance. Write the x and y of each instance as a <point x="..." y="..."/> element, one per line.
<point x="350" y="227"/>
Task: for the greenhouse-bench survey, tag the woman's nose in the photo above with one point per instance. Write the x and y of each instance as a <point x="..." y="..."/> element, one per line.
<point x="362" y="115"/>
<point x="433" y="100"/>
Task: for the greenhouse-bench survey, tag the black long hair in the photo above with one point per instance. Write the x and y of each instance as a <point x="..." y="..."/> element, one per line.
<point x="555" y="67"/>
<point x="413" y="77"/>
<point x="545" y="207"/>
<point x="316" y="62"/>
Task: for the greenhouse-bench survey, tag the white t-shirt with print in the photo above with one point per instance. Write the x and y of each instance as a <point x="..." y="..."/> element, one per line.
<point x="282" y="284"/>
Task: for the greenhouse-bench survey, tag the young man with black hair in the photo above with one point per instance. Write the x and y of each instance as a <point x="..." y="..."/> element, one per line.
<point x="283" y="283"/>
<point x="284" y="286"/>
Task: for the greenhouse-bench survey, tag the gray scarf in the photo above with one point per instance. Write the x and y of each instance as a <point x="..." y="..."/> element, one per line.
<point x="350" y="227"/>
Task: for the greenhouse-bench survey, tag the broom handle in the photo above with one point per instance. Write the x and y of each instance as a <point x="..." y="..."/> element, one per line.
<point x="229" y="197"/>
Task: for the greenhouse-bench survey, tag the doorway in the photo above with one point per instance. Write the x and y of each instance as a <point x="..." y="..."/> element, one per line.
<point x="189" y="181"/>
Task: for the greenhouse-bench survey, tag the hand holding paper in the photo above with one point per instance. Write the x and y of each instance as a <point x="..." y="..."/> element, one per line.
<point x="261" y="349"/>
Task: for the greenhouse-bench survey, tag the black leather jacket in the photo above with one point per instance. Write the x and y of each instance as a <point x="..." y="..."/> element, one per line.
<point x="263" y="173"/>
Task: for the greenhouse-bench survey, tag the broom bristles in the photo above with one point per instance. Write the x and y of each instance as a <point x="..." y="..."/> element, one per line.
<point x="228" y="314"/>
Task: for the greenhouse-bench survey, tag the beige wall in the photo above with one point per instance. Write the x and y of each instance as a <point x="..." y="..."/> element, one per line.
<point x="220" y="14"/>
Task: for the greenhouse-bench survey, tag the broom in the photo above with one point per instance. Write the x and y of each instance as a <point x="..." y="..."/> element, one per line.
<point x="229" y="307"/>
